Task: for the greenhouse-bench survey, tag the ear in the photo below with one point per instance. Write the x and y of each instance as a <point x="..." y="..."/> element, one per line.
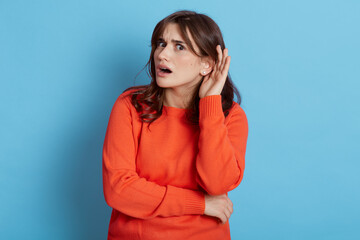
<point x="207" y="65"/>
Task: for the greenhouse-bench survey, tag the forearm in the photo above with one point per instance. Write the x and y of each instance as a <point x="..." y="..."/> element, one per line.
<point x="220" y="161"/>
<point x="126" y="192"/>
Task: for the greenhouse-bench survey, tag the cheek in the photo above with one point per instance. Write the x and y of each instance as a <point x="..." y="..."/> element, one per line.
<point x="193" y="66"/>
<point x="190" y="63"/>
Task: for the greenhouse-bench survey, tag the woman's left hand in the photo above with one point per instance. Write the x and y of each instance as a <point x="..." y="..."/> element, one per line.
<point x="213" y="83"/>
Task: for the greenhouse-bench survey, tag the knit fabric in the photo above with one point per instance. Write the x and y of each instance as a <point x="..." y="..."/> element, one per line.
<point x="155" y="178"/>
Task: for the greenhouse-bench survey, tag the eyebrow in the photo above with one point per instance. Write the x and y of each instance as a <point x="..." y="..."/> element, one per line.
<point x="173" y="40"/>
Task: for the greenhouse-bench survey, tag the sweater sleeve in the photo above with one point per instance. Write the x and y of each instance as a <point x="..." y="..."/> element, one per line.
<point x="220" y="162"/>
<point x="124" y="190"/>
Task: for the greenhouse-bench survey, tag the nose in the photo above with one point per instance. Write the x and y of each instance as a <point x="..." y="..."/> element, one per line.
<point x="164" y="53"/>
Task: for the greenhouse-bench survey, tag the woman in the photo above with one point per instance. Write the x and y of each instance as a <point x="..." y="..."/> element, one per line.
<point x="175" y="147"/>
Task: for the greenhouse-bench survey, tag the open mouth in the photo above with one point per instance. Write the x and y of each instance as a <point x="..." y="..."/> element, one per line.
<point x="165" y="70"/>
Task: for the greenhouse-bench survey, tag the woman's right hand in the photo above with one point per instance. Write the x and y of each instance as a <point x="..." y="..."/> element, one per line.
<point x="219" y="206"/>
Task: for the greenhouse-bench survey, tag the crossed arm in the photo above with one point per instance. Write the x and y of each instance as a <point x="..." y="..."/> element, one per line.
<point x="127" y="192"/>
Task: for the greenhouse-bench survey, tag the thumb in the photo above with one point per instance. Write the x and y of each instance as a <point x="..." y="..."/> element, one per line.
<point x="206" y="78"/>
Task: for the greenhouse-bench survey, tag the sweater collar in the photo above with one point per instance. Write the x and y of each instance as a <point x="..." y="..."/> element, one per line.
<point x="173" y="111"/>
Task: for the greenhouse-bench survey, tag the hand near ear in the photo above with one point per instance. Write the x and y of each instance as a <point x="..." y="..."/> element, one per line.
<point x="214" y="82"/>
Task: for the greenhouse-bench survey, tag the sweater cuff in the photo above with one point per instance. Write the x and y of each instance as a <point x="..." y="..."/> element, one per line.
<point x="186" y="201"/>
<point x="194" y="202"/>
<point x="210" y="106"/>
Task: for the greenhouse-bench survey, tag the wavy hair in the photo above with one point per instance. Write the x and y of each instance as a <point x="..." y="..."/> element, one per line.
<point x="148" y="99"/>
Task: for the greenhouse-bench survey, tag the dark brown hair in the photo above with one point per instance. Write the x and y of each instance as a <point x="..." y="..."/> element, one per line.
<point x="148" y="99"/>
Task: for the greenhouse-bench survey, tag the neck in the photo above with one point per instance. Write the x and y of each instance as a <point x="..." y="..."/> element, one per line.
<point x="178" y="99"/>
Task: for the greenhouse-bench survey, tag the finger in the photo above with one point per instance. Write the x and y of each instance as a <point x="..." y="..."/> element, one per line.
<point x="227" y="213"/>
<point x="223" y="218"/>
<point x="225" y="54"/>
<point x="229" y="201"/>
<point x="230" y="205"/>
<point x="214" y="72"/>
<point x="225" y="70"/>
<point x="215" y="69"/>
<point x="231" y="209"/>
<point x="206" y="77"/>
<point x="218" y="49"/>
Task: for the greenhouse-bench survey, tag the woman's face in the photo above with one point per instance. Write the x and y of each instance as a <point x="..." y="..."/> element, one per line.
<point x="176" y="66"/>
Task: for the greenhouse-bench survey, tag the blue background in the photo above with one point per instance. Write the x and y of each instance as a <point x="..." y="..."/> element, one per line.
<point x="296" y="64"/>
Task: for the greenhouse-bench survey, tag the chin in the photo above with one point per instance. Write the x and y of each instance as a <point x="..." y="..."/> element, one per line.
<point x="162" y="83"/>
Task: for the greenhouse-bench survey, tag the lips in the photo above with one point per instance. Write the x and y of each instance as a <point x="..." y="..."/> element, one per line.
<point x="163" y="70"/>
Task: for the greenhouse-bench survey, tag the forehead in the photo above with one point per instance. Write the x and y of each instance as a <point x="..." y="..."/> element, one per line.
<point x="172" y="32"/>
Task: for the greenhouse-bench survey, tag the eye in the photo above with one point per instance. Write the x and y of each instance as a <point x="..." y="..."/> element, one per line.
<point x="180" y="47"/>
<point x="161" y="44"/>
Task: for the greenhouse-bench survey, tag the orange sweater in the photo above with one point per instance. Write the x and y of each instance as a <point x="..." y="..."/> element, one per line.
<point x="155" y="179"/>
